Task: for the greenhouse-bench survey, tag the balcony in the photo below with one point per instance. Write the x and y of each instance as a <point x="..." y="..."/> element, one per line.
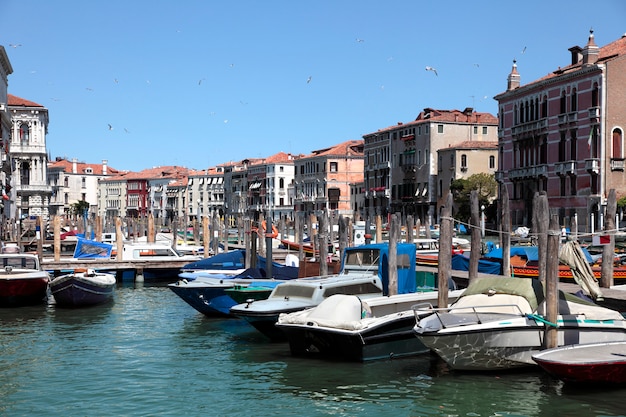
<point x="617" y="164"/>
<point x="594" y="115"/>
<point x="565" y="168"/>
<point x="532" y="172"/>
<point x="499" y="175"/>
<point x="528" y="127"/>
<point x="592" y="165"/>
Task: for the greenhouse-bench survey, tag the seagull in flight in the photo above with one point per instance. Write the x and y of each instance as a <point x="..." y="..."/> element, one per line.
<point x="308" y="80"/>
<point x="15" y="45"/>
<point x="432" y="69"/>
<point x="360" y="40"/>
<point x="110" y="127"/>
<point x="524" y="50"/>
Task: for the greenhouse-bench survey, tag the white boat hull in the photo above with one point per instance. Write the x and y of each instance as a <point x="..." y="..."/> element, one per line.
<point x="511" y="342"/>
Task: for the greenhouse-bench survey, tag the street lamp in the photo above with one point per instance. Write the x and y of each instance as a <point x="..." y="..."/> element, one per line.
<point x="482" y="220"/>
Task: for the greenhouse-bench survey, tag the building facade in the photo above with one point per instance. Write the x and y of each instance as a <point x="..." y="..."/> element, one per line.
<point x="73" y="181"/>
<point x="563" y="134"/>
<point x="5" y="134"/>
<point x="29" y="158"/>
<point x="323" y="179"/>
<point x="402" y="164"/>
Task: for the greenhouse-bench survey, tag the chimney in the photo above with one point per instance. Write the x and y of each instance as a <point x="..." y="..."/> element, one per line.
<point x="577" y="55"/>
<point x="74" y="169"/>
<point x="590" y="51"/>
<point x="514" y="78"/>
<point x="104" y="166"/>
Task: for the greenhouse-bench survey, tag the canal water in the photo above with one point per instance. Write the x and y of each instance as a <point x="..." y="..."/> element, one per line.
<point x="150" y="354"/>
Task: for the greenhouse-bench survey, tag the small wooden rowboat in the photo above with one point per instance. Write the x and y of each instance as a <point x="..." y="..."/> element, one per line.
<point x="594" y="362"/>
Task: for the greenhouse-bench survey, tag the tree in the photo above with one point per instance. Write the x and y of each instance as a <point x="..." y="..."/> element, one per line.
<point x="461" y="188"/>
<point x="79" y="208"/>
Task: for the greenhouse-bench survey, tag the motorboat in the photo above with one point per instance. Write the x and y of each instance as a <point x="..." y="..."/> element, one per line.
<point x="207" y="293"/>
<point x="22" y="280"/>
<point x="603" y="363"/>
<point x="154" y="254"/>
<point x="350" y="328"/>
<point x="83" y="287"/>
<point x="499" y="323"/>
<point x="364" y="272"/>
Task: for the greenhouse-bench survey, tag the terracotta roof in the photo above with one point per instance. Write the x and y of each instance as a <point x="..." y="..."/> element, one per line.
<point x="81" y="167"/>
<point x="21" y="102"/>
<point x="174" y="172"/>
<point x="475" y="144"/>
<point x="348" y="148"/>
<point x="429" y="115"/>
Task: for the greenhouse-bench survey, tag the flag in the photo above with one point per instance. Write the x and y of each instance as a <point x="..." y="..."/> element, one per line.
<point x="590" y="139"/>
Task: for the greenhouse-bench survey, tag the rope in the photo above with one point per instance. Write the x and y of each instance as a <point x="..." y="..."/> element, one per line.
<point x="538" y="318"/>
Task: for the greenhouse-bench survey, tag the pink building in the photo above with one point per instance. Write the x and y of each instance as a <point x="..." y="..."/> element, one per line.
<point x="563" y="134"/>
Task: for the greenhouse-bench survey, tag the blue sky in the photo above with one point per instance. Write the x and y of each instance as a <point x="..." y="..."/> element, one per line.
<point x="200" y="83"/>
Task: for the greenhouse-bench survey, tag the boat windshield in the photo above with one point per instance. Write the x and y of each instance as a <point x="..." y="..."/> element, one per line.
<point x="363" y="257"/>
<point x="20" y="262"/>
<point x="353" y="289"/>
<point x="293" y="291"/>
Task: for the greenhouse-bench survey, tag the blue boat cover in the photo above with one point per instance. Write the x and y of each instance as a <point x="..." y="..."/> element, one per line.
<point x="226" y="261"/>
<point x="461" y="263"/>
<point x="92" y="249"/>
<point x="530" y="252"/>
<point x="406" y="264"/>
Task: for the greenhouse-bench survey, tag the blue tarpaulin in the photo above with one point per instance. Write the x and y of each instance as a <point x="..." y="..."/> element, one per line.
<point x="92" y="249"/>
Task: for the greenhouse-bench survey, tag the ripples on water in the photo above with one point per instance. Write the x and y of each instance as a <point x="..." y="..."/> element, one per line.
<point x="149" y="353"/>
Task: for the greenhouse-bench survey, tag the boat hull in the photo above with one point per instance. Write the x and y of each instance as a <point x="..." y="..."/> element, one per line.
<point x="603" y="363"/>
<point x="394" y="339"/>
<point x="510" y="343"/>
<point x="80" y="291"/>
<point x="210" y="301"/>
<point x="23" y="291"/>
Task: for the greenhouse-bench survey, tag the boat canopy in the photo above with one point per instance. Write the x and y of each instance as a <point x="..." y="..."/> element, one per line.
<point x="529" y="288"/>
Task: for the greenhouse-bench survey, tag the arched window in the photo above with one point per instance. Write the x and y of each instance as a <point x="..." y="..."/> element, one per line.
<point x="492" y="162"/>
<point x="463" y="161"/>
<point x="617" y="143"/>
<point x="24" y="133"/>
<point x="574" y="101"/>
<point x="563" y="106"/>
<point x="595" y="95"/>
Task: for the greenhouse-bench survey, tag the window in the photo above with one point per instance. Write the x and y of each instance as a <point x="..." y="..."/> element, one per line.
<point x="463" y="161"/>
<point x="484" y="130"/>
<point x="439" y="128"/>
<point x="475" y="130"/>
<point x="333" y="167"/>
<point x="66" y="182"/>
<point x="563" y="103"/>
<point x="83" y="182"/>
<point x="24" y="133"/>
<point x="492" y="162"/>
<point x="617" y="143"/>
<point x="574" y="101"/>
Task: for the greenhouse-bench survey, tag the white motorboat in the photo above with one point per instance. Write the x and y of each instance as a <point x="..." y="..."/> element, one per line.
<point x="364" y="273"/>
<point x="499" y="323"/>
<point x="350" y="328"/>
